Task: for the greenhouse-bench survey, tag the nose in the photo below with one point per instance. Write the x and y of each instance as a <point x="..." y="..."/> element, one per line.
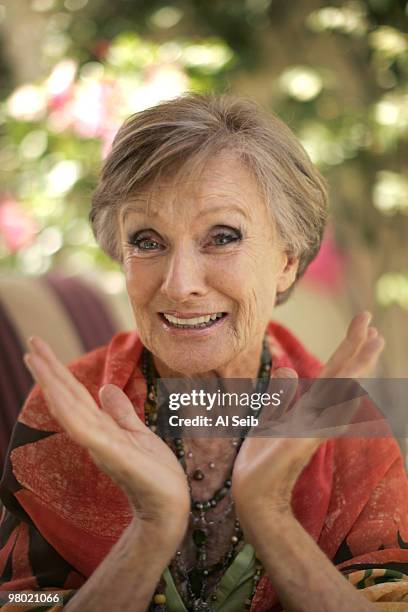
<point x="184" y="276"/>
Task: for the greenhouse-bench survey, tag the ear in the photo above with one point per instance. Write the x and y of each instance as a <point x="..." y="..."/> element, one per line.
<point x="287" y="276"/>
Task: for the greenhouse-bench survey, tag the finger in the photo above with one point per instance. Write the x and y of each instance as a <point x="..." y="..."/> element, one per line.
<point x="72" y="414"/>
<point x="40" y="348"/>
<point x="62" y="404"/>
<point x="33" y="364"/>
<point x="372" y="332"/>
<point x="95" y="431"/>
<point x="116" y="403"/>
<point x="284" y="373"/>
<point x="355" y="336"/>
<point x="290" y="381"/>
<point x="366" y="359"/>
<point x="285" y="380"/>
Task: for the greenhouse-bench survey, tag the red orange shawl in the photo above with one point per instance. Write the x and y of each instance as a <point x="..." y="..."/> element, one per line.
<point x="62" y="515"/>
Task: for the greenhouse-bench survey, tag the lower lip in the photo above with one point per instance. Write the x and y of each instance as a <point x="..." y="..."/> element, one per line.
<point x="193" y="331"/>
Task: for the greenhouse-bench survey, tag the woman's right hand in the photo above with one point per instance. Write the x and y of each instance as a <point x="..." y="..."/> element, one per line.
<point x="117" y="440"/>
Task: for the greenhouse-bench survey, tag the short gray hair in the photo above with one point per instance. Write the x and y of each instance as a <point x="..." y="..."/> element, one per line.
<point x="196" y="127"/>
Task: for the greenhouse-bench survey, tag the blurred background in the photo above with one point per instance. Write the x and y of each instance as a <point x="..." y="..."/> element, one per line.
<point x="336" y="72"/>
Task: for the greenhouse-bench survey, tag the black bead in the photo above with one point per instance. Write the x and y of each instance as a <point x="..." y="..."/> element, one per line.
<point x="199" y="537"/>
<point x="198" y="474"/>
<point x="149" y="409"/>
<point x="195" y="579"/>
<point x="198" y="505"/>
<point x="221" y="493"/>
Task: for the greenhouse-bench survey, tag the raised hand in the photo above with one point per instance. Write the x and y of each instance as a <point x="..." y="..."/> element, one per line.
<point x="117" y="440"/>
<point x="267" y="468"/>
<point x="357" y="355"/>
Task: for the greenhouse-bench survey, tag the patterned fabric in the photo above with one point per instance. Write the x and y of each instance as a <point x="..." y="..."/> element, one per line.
<point x="62" y="514"/>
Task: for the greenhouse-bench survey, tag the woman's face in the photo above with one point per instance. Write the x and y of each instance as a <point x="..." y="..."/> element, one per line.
<point x="203" y="265"/>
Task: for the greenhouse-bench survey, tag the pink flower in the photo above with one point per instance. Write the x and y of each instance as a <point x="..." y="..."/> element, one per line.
<point x="94" y="107"/>
<point x="17" y="228"/>
<point x="59" y="101"/>
<point x="60" y="83"/>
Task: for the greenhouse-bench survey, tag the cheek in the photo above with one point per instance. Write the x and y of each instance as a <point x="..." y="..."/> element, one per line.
<point x="140" y="285"/>
<point x="255" y="285"/>
<point x="250" y="282"/>
<point x="231" y="277"/>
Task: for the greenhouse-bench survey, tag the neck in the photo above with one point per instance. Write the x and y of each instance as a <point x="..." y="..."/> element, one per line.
<point x="244" y="365"/>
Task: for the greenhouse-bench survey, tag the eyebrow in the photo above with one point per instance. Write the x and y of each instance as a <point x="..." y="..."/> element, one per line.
<point x="134" y="207"/>
<point x="227" y="209"/>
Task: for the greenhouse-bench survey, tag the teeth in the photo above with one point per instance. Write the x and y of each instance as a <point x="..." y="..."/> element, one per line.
<point x="193" y="321"/>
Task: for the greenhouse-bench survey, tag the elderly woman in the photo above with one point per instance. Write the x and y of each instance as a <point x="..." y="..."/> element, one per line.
<point x="214" y="211"/>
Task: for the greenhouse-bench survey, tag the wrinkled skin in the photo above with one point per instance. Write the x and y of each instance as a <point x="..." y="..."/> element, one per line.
<point x="182" y="266"/>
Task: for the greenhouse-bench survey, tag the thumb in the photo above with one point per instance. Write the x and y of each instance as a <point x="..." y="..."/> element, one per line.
<point x="288" y="380"/>
<point x="284" y="373"/>
<point x="283" y="381"/>
<point x="117" y="404"/>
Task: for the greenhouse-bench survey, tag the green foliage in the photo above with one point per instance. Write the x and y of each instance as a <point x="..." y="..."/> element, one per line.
<point x="56" y="132"/>
<point x="339" y="79"/>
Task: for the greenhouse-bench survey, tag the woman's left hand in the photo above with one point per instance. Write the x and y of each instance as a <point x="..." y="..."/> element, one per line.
<point x="267" y="468"/>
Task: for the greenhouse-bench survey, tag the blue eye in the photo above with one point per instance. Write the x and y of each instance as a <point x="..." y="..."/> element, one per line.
<point x="226" y="237"/>
<point x="144" y="242"/>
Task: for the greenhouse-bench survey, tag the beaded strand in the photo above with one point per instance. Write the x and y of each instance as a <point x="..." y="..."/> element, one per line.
<point x="197" y="600"/>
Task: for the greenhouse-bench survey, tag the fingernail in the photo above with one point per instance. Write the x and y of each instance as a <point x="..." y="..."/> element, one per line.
<point x="32" y="342"/>
<point x="28" y="362"/>
<point x="372" y="332"/>
<point x="377" y="343"/>
<point x="366" y="315"/>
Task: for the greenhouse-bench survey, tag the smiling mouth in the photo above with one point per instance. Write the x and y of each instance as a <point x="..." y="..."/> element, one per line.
<point x="192" y="322"/>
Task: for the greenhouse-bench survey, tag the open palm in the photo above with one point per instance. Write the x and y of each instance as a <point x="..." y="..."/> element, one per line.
<point x="117" y="440"/>
<point x="267" y="468"/>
